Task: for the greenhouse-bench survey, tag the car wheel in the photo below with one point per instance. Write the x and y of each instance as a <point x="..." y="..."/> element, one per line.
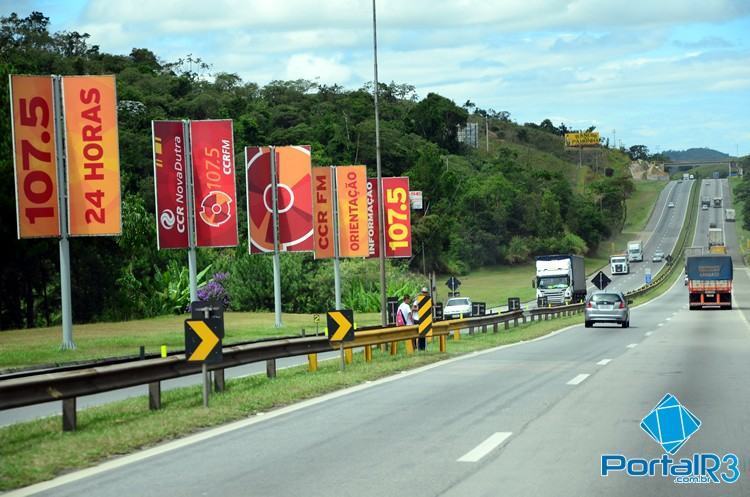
<point x="626" y="324"/>
<point x="588" y="324"/>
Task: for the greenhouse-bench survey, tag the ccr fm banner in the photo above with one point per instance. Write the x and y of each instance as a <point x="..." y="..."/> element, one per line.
<point x="93" y="156"/>
<point x="214" y="188"/>
<point x="32" y="109"/>
<point x="351" y="187"/>
<point x="323" y="226"/>
<point x="171" y="184"/>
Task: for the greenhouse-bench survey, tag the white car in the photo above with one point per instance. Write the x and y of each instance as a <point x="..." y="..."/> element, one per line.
<point x="456" y="307"/>
<point x="658" y="256"/>
<point x="671" y="204"/>
<point x="704" y="207"/>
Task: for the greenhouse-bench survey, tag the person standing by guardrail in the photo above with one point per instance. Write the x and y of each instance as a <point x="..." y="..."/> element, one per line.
<point x="404" y="314"/>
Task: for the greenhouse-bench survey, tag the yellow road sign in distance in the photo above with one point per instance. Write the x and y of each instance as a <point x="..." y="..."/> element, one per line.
<point x="202" y="343"/>
<point x="340" y="325"/>
<point x="588" y="139"/>
<point x="424" y="304"/>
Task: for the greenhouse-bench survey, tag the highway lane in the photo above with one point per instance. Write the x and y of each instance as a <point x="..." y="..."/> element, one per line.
<point x="530" y="419"/>
<point x="662" y="231"/>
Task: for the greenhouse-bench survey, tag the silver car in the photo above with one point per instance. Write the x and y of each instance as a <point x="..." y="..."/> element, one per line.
<point x="607" y="307"/>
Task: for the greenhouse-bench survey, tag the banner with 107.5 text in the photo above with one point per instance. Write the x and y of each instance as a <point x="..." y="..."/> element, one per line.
<point x="37" y="202"/>
<point x="214" y="189"/>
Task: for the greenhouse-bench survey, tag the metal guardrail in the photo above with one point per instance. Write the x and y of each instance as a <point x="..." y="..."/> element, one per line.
<point x="67" y="385"/>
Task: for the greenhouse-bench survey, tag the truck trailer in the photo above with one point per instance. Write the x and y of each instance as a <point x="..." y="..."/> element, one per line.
<point x="710" y="281"/>
<point x="635" y="251"/>
<point x="560" y="279"/>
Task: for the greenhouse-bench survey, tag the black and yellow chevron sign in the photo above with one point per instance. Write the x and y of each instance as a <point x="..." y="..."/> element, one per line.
<point x="424" y="303"/>
<point x="203" y="340"/>
<point x="340" y="325"/>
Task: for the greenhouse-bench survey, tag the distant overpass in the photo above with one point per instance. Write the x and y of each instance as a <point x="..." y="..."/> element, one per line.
<point x="675" y="166"/>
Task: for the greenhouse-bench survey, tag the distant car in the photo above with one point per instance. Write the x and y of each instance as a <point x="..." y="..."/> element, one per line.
<point x="671" y="204"/>
<point x="607" y="307"/>
<point x="456" y="307"/>
<point x="704" y="207"/>
<point x="658" y="256"/>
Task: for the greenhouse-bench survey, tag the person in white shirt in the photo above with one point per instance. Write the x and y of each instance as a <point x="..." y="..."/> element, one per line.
<point x="404" y="313"/>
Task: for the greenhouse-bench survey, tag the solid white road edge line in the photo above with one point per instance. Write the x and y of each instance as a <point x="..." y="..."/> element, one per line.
<point x="578" y="379"/>
<point x="484" y="448"/>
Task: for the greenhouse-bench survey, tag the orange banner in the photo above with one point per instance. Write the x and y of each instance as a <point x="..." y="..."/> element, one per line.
<point x="323" y="212"/>
<point x="351" y="193"/>
<point x="93" y="155"/>
<point x="32" y="107"/>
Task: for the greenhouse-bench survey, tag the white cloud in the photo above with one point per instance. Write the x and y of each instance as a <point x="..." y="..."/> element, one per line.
<point x="307" y="66"/>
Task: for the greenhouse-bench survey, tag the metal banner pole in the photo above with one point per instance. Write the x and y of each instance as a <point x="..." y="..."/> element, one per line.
<point x="336" y="260"/>
<point x="66" y="301"/>
<point x="276" y="258"/>
<point x="192" y="264"/>
<point x="206" y="384"/>
<point x="381" y="215"/>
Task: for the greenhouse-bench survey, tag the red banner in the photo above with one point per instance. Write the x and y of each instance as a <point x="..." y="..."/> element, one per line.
<point x="323" y="227"/>
<point x="373" y="223"/>
<point x="32" y="110"/>
<point x="397" y="217"/>
<point x="351" y="193"/>
<point x="294" y="199"/>
<point x="93" y="155"/>
<point x="215" y="195"/>
<point x="170" y="183"/>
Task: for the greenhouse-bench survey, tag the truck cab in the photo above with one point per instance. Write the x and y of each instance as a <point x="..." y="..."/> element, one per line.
<point x="560" y="279"/>
<point x="619" y="264"/>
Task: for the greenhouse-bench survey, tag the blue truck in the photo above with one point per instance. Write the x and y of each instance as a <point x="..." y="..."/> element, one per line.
<point x="710" y="281"/>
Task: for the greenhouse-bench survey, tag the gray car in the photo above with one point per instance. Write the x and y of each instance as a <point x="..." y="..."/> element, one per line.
<point x="607" y="307"/>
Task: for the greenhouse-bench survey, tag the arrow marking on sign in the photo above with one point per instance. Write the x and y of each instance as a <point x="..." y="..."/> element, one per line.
<point x="208" y="340"/>
<point x="344" y="326"/>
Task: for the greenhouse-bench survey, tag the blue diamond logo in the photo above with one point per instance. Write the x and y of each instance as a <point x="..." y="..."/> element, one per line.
<point x="670" y="424"/>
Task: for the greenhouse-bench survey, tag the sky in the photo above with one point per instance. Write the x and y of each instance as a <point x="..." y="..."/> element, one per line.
<point x="670" y="74"/>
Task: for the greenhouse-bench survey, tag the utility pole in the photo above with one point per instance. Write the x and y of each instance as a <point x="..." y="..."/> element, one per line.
<point x="381" y="216"/>
<point x="487" y="132"/>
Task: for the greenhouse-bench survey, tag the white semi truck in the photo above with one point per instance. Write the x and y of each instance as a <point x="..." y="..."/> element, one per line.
<point x="619" y="264"/>
<point x="635" y="251"/>
<point x="560" y="279"/>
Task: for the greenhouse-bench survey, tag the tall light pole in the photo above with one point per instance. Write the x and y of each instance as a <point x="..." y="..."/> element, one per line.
<point x="381" y="217"/>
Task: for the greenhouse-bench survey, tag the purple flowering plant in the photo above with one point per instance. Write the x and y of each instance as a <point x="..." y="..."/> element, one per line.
<point x="214" y="292"/>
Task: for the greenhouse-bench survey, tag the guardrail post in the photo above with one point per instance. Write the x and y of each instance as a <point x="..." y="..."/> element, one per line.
<point x="515" y="322"/>
<point x="219" y="384"/>
<point x="394" y="348"/>
<point x="507" y="324"/>
<point x="368" y="353"/>
<point x="484" y="328"/>
<point x="69" y="414"/>
<point x="494" y="328"/>
<point x="409" y="346"/>
<point x="312" y="362"/>
<point x="443" y="343"/>
<point x="457" y="334"/>
<point x="154" y="395"/>
<point x="348" y="355"/>
<point x="271" y="368"/>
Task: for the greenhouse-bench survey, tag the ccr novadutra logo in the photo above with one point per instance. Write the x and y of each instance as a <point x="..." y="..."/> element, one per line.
<point x="670" y="424"/>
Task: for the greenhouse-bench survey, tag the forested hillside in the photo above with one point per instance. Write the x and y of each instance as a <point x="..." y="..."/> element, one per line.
<point x="525" y="196"/>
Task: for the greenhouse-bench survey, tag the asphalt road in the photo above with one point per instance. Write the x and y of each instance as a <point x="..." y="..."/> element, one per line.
<point x="662" y="231"/>
<point x="529" y="419"/>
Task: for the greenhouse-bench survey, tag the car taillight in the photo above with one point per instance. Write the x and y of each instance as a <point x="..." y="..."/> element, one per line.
<point x="622" y="305"/>
<point x="590" y="304"/>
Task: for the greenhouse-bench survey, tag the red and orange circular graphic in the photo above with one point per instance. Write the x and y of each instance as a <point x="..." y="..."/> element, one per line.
<point x="216" y="208"/>
<point x="294" y="199"/>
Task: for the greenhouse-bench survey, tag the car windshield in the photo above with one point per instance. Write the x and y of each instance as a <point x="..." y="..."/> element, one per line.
<point x="606" y="298"/>
<point x="454" y="302"/>
<point x="617" y="260"/>
<point x="552" y="282"/>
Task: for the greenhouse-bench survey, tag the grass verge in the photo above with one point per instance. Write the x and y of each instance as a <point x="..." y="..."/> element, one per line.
<point x="97" y="340"/>
<point x="743" y="235"/>
<point x="38" y="450"/>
